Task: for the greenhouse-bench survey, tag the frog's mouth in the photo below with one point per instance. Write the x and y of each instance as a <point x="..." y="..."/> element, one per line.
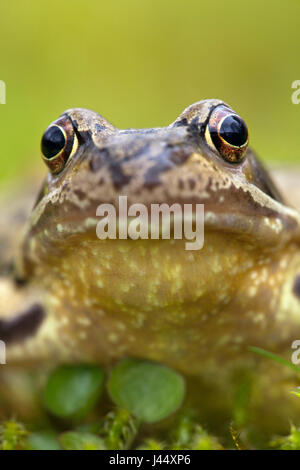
<point x="267" y="224"/>
<point x="192" y="226"/>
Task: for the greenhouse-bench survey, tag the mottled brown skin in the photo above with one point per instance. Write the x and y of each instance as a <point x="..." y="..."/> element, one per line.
<point x="197" y="311"/>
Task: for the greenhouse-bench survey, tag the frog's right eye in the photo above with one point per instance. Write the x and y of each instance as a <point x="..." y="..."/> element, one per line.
<point x="59" y="143"/>
<point x="227" y="133"/>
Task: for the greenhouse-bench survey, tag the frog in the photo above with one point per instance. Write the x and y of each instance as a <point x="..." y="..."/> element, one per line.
<point x="69" y="297"/>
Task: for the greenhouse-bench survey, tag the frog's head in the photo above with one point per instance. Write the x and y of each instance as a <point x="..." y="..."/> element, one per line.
<point x="203" y="157"/>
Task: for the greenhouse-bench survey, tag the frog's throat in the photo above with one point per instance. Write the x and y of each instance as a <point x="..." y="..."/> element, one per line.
<point x="162" y="302"/>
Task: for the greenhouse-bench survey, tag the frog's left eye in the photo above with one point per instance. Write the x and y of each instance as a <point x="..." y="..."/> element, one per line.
<point x="227" y="133"/>
<point x="59" y="143"/>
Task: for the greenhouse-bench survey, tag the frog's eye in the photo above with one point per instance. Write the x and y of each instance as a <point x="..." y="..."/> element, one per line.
<point x="59" y="143"/>
<point x="227" y="133"/>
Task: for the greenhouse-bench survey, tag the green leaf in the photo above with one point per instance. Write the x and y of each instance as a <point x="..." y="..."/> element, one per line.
<point x="42" y="440"/>
<point x="149" y="391"/>
<point x="72" y="391"/>
<point x="73" y="440"/>
<point x="274" y="357"/>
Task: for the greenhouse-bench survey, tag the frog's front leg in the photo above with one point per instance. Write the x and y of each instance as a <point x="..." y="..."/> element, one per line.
<point x="22" y="315"/>
<point x="25" y="324"/>
<point x="22" y="325"/>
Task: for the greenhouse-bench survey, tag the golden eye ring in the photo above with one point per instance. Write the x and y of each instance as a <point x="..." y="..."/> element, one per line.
<point x="227" y="133"/>
<point x="59" y="143"/>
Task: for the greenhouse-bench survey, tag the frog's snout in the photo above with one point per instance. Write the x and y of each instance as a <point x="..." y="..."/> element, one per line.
<point x="140" y="159"/>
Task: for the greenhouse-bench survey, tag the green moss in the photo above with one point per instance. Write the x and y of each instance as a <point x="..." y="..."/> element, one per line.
<point x="152" y="444"/>
<point x="290" y="442"/>
<point x="148" y="392"/>
<point x="12" y="436"/>
<point x="119" y="429"/>
<point x="188" y="434"/>
<point x="75" y="440"/>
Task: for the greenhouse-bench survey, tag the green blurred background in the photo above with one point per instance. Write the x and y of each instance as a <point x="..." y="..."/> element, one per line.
<point x="140" y="63"/>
